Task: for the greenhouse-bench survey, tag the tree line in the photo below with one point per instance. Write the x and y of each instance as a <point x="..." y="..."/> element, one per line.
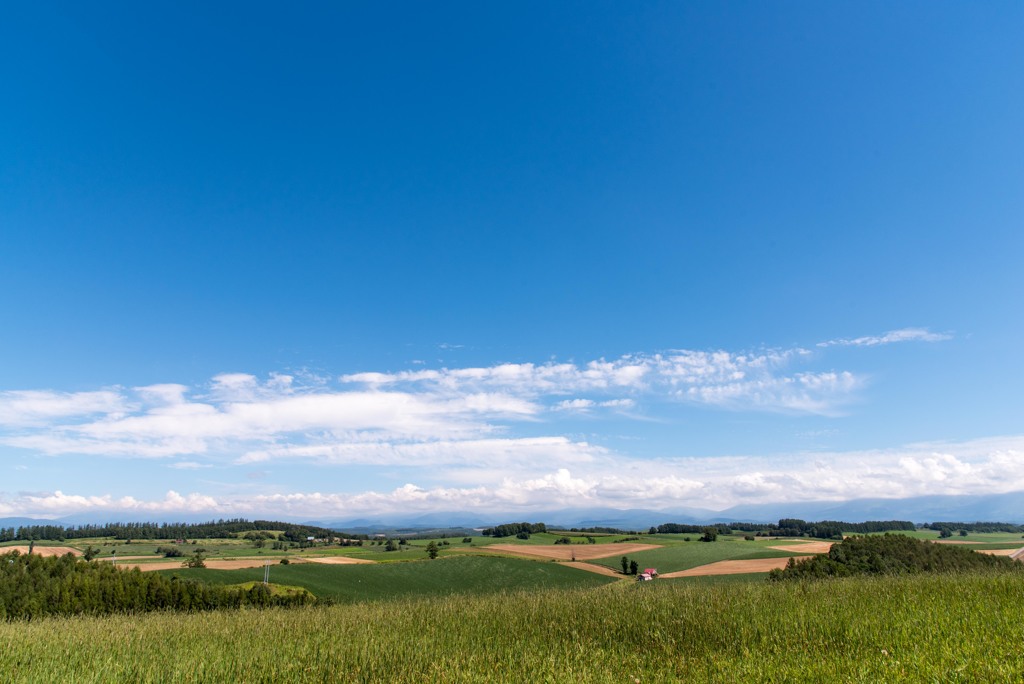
<point x="215" y="529"/>
<point x="892" y="554"/>
<point x="791" y="527"/>
<point x="976" y="526"/>
<point x="32" y="586"/>
<point x="522" y="530"/>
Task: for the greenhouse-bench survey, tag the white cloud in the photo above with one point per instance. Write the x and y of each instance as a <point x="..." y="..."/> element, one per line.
<point x="527" y="452"/>
<point x="984" y="466"/>
<point x="238" y="415"/>
<point x="39" y="407"/>
<point x="817" y="393"/>
<point x="728" y="380"/>
<point x="188" y="465"/>
<point x="59" y="503"/>
<point x="891" y="337"/>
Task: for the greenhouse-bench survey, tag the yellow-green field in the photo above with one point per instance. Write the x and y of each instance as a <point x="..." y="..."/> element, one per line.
<point x="964" y="628"/>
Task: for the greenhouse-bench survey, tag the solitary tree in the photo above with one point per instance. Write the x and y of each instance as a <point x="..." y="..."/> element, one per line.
<point x="633" y="567"/>
<point x="432" y="550"/>
<point x="392" y="545"/>
<point x="198" y="560"/>
<point x="710" y="534"/>
<point x="90" y="552"/>
<point x="625" y="565"/>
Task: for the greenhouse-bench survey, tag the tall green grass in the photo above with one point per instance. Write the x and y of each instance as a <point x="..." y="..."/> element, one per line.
<point x="964" y="628"/>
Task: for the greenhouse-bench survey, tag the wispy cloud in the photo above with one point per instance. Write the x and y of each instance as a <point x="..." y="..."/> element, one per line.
<point x="891" y="337"/>
<point x="39" y="407"/>
<point x="737" y="381"/>
<point x="188" y="465"/>
<point x="437" y="415"/>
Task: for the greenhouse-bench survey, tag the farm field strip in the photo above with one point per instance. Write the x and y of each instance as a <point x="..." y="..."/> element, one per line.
<point x="42" y="550"/>
<point x="998" y="552"/>
<point x="216" y="564"/>
<point x="337" y="560"/>
<point x="686" y="555"/>
<point x="805" y="547"/>
<point x="598" y="569"/>
<point x="732" y="567"/>
<point x="566" y="551"/>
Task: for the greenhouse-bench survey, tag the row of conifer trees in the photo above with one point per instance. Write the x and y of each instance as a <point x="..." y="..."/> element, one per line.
<point x="32" y="586"/>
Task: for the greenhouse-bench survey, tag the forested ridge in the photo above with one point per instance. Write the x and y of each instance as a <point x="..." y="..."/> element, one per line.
<point x="32" y="586"/>
<point x="215" y="529"/>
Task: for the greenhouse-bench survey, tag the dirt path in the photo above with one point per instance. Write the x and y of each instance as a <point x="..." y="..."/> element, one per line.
<point x="42" y="550"/>
<point x="565" y="552"/>
<point x="732" y="567"/>
<point x="805" y="547"/>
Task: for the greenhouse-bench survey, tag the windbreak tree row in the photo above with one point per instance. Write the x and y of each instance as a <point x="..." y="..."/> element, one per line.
<point x="33" y="586"/>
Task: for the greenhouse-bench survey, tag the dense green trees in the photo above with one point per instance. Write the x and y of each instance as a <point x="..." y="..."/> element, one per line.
<point x="976" y="526"/>
<point x="32" y="586"/>
<point x="892" y="554"/>
<point x="515" y="529"/>
<point x="219" y="529"/>
<point x="792" y="527"/>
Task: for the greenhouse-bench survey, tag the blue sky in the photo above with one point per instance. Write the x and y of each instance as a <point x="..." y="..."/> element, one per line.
<point x="341" y="260"/>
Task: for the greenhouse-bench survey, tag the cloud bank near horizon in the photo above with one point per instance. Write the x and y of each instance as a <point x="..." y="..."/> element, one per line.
<point x="983" y="466"/>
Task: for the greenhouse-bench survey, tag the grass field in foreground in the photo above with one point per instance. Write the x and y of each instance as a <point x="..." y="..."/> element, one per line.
<point x="441" y="577"/>
<point x="921" y="629"/>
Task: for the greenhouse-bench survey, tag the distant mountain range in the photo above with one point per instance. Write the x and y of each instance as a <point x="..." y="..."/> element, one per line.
<point x="990" y="508"/>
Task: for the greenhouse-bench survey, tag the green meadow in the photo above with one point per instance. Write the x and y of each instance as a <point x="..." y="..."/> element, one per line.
<point x="677" y="554"/>
<point x="963" y="628"/>
<point x="455" y="575"/>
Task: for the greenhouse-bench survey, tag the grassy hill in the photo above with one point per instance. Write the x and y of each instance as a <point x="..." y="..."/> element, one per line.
<point x="963" y="628"/>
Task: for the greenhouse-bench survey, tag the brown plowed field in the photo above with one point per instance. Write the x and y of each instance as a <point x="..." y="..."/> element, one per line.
<point x="805" y="547"/>
<point x="733" y="567"/>
<point x="42" y="550"/>
<point x="997" y="552"/>
<point x="598" y="569"/>
<point x="565" y="551"/>
<point x="339" y="560"/>
<point x="234" y="564"/>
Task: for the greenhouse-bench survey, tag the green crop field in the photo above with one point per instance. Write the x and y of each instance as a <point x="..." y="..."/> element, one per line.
<point x="983" y="537"/>
<point x="683" y="556"/>
<point x="963" y="628"/>
<point x="454" y="575"/>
